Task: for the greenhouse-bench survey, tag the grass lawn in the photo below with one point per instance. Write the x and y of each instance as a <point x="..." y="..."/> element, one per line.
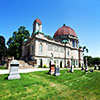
<point x="2" y="67"/>
<point x="41" y="86"/>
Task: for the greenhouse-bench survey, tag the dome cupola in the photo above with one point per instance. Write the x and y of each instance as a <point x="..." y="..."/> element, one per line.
<point x="37" y="21"/>
<point x="65" y="30"/>
<point x="37" y="26"/>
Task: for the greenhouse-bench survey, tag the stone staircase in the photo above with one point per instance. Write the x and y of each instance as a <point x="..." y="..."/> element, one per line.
<point x="24" y="65"/>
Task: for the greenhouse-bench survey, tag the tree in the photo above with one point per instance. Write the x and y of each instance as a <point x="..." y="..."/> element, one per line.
<point x="95" y="60"/>
<point x="48" y="37"/>
<point x="3" y="48"/>
<point x="89" y="59"/>
<point x="92" y="61"/>
<point x="15" y="42"/>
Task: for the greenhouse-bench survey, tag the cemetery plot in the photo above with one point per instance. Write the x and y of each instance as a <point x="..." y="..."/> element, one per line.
<point x="41" y="86"/>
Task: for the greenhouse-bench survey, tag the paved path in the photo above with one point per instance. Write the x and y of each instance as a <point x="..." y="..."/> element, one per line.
<point x="24" y="70"/>
<point x="6" y="71"/>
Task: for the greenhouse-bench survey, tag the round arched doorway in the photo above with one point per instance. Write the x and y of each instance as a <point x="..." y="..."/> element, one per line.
<point x="61" y="64"/>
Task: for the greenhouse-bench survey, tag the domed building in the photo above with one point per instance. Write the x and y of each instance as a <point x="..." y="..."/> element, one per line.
<point x="63" y="49"/>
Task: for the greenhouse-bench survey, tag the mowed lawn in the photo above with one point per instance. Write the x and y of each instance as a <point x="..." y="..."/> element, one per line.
<point x="42" y="86"/>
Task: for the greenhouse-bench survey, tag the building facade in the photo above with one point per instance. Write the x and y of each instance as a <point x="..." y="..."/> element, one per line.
<point x="63" y="49"/>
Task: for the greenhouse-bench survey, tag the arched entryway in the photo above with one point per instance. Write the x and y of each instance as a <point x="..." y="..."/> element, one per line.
<point x="41" y="63"/>
<point x="28" y="53"/>
<point x="60" y="64"/>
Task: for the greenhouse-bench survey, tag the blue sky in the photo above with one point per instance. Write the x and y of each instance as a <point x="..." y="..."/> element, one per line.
<point x="81" y="15"/>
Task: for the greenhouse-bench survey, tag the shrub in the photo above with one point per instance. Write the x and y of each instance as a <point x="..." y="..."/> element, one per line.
<point x="74" y="66"/>
<point x="44" y="66"/>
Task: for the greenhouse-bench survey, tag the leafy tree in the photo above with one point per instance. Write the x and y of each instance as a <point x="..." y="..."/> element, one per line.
<point x="92" y="61"/>
<point x="48" y="37"/>
<point x="3" y="48"/>
<point x="95" y="60"/>
<point x="15" y="42"/>
<point x="89" y="59"/>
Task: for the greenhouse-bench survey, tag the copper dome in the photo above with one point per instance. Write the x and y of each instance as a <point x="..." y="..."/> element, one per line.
<point x="65" y="30"/>
<point x="38" y="21"/>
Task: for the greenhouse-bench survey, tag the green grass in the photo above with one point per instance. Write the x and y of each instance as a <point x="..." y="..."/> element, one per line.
<point x="41" y="86"/>
<point x="3" y="67"/>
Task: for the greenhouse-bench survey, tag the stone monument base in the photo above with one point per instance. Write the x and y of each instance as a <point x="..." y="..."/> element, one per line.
<point x="57" y="74"/>
<point x="86" y="70"/>
<point x="82" y="69"/>
<point x="13" y="77"/>
<point x="14" y="73"/>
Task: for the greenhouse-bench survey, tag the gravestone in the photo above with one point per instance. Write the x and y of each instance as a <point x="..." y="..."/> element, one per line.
<point x="72" y="66"/>
<point x="91" y="70"/>
<point x="99" y="67"/>
<point x="57" y="71"/>
<point x="86" y="68"/>
<point x="82" y="67"/>
<point x="72" y="69"/>
<point x="52" y="69"/>
<point x="14" y="73"/>
<point x="95" y="67"/>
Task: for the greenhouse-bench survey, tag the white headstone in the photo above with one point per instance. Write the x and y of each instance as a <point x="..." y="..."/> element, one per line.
<point x="86" y="68"/>
<point x="82" y="67"/>
<point x="14" y="70"/>
<point x="72" y="69"/>
<point x="57" y="71"/>
<point x="95" y="67"/>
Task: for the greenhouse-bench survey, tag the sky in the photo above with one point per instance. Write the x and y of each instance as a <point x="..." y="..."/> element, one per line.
<point x="83" y="16"/>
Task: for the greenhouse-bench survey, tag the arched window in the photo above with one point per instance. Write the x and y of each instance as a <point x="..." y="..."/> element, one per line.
<point x="50" y="47"/>
<point x="41" y="63"/>
<point x="56" y="48"/>
<point x="76" y="62"/>
<point x="73" y="43"/>
<point x="61" y="49"/>
<point x="40" y="48"/>
<point x="76" y="44"/>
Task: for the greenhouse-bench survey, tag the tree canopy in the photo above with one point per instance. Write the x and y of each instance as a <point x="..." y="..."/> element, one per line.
<point x="95" y="60"/>
<point x="89" y="58"/>
<point x="92" y="60"/>
<point x="15" y="42"/>
<point x="3" y="48"/>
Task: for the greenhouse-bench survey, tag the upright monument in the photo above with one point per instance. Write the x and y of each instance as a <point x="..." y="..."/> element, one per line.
<point x="14" y="73"/>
